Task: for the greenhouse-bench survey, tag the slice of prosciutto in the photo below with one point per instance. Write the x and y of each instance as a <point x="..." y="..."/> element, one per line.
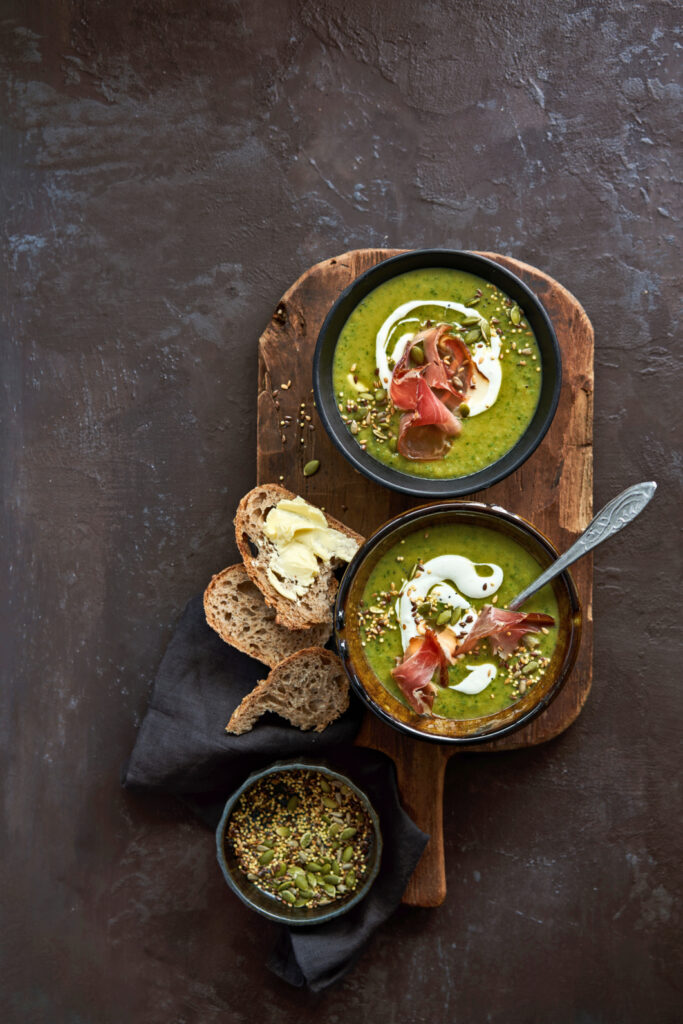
<point x="428" y="393"/>
<point x="423" y="433"/>
<point x="504" y="629"/>
<point x="416" y="670"/>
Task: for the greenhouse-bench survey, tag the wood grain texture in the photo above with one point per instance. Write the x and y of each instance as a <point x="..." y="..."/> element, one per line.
<point x="553" y="489"/>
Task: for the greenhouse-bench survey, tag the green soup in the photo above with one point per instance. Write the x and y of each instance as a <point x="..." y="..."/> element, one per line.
<point x="381" y="628"/>
<point x="370" y="415"/>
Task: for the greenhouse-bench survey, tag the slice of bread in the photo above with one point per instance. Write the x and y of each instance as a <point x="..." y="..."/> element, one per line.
<point x="256" y="549"/>
<point x="235" y="608"/>
<point x="308" y="688"/>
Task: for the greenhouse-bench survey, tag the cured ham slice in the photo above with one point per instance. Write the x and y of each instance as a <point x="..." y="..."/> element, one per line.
<point x="415" y="672"/>
<point x="448" y="643"/>
<point x="404" y="380"/>
<point x="450" y="351"/>
<point x="429" y="392"/>
<point x="504" y="629"/>
<point x="423" y="434"/>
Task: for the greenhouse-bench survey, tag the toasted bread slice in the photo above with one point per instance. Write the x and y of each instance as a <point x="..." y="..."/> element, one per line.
<point x="315" y="607"/>
<point x="235" y="608"/>
<point x="308" y="688"/>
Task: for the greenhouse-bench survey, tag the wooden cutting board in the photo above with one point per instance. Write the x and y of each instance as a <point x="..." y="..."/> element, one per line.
<point x="553" y="489"/>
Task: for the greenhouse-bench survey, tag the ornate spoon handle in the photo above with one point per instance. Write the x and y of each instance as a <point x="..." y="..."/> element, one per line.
<point x="616" y="514"/>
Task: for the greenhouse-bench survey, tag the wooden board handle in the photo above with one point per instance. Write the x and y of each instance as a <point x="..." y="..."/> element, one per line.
<point x="425" y="774"/>
<point x="420" y="769"/>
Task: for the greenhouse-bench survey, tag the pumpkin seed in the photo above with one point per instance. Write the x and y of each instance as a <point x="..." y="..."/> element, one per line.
<point x="347" y="854"/>
<point x="305" y="840"/>
<point x="464" y="410"/>
<point x="324" y="785"/>
<point x="266" y="857"/>
<point x="292" y="803"/>
<point x="333" y="830"/>
<point x="485" y="330"/>
<point x="300" y="903"/>
<point x="475" y="301"/>
<point x="357" y="385"/>
<point x="348" y="833"/>
<point x="269" y="843"/>
<point x="469" y="321"/>
<point x="312" y="880"/>
<point x="350" y="878"/>
<point x="283" y="831"/>
<point x="417" y="355"/>
<point x="530" y="640"/>
<point x="472" y="336"/>
<point x="332" y="879"/>
<point x="532" y="666"/>
<point x="380" y="396"/>
<point x="335" y="868"/>
<point x="301" y="882"/>
<point x="425" y="610"/>
<point x="455" y="616"/>
<point x="516" y="315"/>
<point x="329" y="802"/>
<point x="311" y="467"/>
<point x="441" y="620"/>
<point x="330" y="890"/>
<point x="280" y="870"/>
<point x="288" y="896"/>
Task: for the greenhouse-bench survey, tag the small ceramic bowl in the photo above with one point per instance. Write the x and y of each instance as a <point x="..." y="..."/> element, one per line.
<point x="446" y="730"/>
<point x="267" y="905"/>
<point x="326" y="402"/>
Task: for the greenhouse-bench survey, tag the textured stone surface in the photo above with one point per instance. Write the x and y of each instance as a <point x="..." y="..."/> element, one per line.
<point x="168" y="169"/>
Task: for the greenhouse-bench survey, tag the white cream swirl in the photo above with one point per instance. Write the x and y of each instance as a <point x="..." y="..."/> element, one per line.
<point x="435" y="579"/>
<point x="488" y="370"/>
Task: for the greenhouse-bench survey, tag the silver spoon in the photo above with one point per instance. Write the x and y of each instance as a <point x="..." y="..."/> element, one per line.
<point x="616" y="514"/>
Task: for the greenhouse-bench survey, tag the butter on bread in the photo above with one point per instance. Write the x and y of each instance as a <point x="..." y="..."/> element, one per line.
<point x="291" y="555"/>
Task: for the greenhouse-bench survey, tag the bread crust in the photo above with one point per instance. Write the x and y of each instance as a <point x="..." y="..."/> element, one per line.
<point x="235" y="609"/>
<point x="309" y="689"/>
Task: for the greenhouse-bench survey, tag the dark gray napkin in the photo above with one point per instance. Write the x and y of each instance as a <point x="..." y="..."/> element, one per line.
<point x="182" y="748"/>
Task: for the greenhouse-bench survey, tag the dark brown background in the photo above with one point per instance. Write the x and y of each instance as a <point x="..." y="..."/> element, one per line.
<point x="168" y="169"/>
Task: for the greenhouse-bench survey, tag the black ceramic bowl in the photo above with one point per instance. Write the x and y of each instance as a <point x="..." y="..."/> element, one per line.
<point x="447" y="730"/>
<point x="551" y="365"/>
<point x="267" y="905"/>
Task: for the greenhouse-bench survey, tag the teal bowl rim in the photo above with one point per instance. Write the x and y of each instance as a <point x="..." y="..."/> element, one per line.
<point x="297" y="917"/>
